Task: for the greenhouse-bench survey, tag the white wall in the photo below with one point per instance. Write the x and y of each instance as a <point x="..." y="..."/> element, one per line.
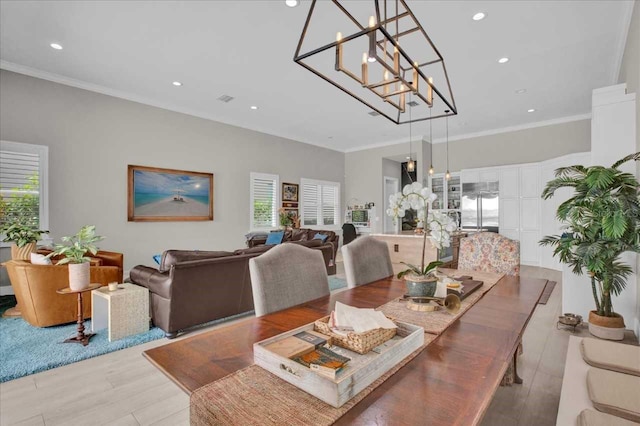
<point x="93" y="137"/>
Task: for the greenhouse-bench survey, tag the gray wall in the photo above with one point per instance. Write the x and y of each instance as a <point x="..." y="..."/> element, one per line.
<point x="92" y="138"/>
<point x="630" y="74"/>
<point x="523" y="146"/>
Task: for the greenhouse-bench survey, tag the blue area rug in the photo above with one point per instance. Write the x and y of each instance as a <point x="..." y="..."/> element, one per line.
<point x="27" y="350"/>
<point x="336" y="283"/>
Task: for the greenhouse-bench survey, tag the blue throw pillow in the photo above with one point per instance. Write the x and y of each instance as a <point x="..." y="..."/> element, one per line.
<point x="157" y="258"/>
<point x="275" y="237"/>
<point x="320" y="237"/>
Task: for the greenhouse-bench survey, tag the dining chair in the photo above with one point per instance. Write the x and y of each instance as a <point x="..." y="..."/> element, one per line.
<point x="285" y="276"/>
<point x="366" y="260"/>
<point x="349" y="233"/>
<point x="489" y="252"/>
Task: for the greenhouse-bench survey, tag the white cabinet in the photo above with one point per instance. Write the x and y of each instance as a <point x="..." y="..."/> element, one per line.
<point x="447" y="191"/>
<point x="520" y="204"/>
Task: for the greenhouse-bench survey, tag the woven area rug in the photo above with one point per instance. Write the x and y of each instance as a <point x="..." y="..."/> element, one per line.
<point x="233" y="399"/>
<point x="336" y="283"/>
<point x="438" y="321"/>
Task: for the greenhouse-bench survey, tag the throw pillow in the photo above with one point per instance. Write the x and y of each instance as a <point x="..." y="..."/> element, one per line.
<point x="275" y="237"/>
<point x="320" y="237"/>
<point x="40" y="259"/>
<point x="157" y="258"/>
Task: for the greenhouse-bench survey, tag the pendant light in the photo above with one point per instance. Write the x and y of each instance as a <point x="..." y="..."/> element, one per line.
<point x="411" y="165"/>
<point x="430" y="144"/>
<point x="447" y="176"/>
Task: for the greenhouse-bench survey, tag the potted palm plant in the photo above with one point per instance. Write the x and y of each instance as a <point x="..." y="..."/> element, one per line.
<point x="74" y="251"/>
<point x="602" y="221"/>
<point x="421" y="280"/>
<point x="24" y="238"/>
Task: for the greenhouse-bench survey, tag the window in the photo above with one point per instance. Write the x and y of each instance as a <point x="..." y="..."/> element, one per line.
<point x="23" y="183"/>
<point x="264" y="200"/>
<point x="320" y="203"/>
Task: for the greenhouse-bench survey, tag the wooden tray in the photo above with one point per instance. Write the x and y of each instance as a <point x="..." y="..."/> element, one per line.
<point x="359" y="373"/>
<point x="469" y="286"/>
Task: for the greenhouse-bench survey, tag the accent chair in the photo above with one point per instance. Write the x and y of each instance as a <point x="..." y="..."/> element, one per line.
<point x="489" y="252"/>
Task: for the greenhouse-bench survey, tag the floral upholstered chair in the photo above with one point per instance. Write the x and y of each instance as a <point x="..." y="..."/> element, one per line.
<point x="489" y="252"/>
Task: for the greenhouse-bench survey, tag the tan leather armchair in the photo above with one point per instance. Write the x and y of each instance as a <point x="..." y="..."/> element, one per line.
<point x="35" y="288"/>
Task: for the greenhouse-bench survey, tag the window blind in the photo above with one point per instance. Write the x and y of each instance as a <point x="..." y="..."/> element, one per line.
<point x="20" y="186"/>
<point x="264" y="198"/>
<point x="320" y="202"/>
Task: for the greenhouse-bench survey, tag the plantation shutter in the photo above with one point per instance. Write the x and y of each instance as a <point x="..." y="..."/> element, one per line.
<point x="320" y="202"/>
<point x="310" y="196"/>
<point x="264" y="201"/>
<point x="20" y="189"/>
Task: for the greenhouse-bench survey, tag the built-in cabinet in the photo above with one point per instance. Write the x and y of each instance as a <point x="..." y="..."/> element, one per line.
<point x="519" y="187"/>
<point x="447" y="191"/>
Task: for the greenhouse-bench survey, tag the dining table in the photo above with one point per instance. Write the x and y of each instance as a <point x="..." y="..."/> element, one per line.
<point x="452" y="381"/>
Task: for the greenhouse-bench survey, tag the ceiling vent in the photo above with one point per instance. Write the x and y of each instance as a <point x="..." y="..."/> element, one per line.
<point x="374" y="113"/>
<point x="226" y="98"/>
<point x="413" y="104"/>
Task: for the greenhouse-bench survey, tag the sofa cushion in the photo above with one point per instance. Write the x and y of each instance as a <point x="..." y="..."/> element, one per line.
<point x="306" y="243"/>
<point x="256" y="249"/>
<point x="275" y="237"/>
<point x="299" y="235"/>
<point x="320" y="237"/>
<point x="615" y="393"/>
<point x="39" y="259"/>
<point x="171" y="257"/>
<point x="611" y="356"/>
<point x="596" y="418"/>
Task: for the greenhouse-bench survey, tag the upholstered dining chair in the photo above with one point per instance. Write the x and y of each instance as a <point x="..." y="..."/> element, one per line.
<point x="489" y="252"/>
<point x="285" y="276"/>
<point x="366" y="260"/>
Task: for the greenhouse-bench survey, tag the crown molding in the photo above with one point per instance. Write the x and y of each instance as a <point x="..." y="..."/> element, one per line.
<point x="483" y="133"/>
<point x="625" y="24"/>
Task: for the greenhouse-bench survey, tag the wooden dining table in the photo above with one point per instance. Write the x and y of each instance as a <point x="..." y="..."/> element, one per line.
<point x="451" y="382"/>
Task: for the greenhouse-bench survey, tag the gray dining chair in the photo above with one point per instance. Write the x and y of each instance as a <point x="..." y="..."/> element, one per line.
<point x="366" y="260"/>
<point x="285" y="276"/>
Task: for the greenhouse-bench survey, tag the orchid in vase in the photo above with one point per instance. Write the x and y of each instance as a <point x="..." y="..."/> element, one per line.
<point x="437" y="225"/>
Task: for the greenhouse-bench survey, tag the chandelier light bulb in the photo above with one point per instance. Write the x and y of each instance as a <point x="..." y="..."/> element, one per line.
<point x="371" y="59"/>
<point x="431" y="169"/>
<point x="411" y="166"/>
<point x="338" y="36"/>
<point x="372" y="21"/>
<point x="447" y="175"/>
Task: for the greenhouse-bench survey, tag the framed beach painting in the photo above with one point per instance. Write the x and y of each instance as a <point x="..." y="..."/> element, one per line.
<point x="156" y="195"/>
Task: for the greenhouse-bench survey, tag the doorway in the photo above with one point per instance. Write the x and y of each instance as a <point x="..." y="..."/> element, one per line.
<point x="391" y="185"/>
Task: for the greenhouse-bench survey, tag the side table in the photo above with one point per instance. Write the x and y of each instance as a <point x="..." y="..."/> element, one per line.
<point x="124" y="312"/>
<point x="80" y="337"/>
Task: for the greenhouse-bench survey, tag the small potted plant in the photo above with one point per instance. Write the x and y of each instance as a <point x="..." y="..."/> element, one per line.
<point x="75" y="249"/>
<point x="285" y="219"/>
<point x="23" y="237"/>
<point x="602" y="221"/>
<point x="421" y="280"/>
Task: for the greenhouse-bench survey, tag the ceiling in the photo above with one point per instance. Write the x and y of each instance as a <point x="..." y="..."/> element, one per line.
<point x="559" y="51"/>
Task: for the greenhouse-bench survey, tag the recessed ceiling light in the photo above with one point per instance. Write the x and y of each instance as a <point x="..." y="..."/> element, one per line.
<point x="531" y="110"/>
<point x="56" y="46"/>
<point x="177" y="83"/>
<point x="479" y="16"/>
<point x="254" y="107"/>
<point x="503" y="60"/>
<point x="291" y="3"/>
<point x="521" y="91"/>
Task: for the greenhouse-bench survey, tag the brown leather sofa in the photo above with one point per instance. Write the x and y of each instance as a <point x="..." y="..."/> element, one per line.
<point x="301" y="234"/>
<point x="35" y="288"/>
<point x="191" y="288"/>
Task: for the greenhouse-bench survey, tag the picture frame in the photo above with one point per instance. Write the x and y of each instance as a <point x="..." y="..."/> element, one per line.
<point x="168" y="195"/>
<point x="289" y="192"/>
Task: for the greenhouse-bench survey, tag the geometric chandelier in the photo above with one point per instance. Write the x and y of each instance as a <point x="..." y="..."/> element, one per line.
<point x="379" y="54"/>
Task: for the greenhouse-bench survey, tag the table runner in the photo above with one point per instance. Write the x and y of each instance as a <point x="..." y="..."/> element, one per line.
<point x="438" y="321"/>
<point x="233" y="399"/>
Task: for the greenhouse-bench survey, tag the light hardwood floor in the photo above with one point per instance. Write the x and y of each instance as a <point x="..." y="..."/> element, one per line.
<point x="123" y="388"/>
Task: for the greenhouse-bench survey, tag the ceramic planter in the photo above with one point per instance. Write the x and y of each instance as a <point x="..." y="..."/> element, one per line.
<point x="22" y="253"/>
<point x="420" y="286"/>
<point x="78" y="276"/>
<point x="610" y="328"/>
